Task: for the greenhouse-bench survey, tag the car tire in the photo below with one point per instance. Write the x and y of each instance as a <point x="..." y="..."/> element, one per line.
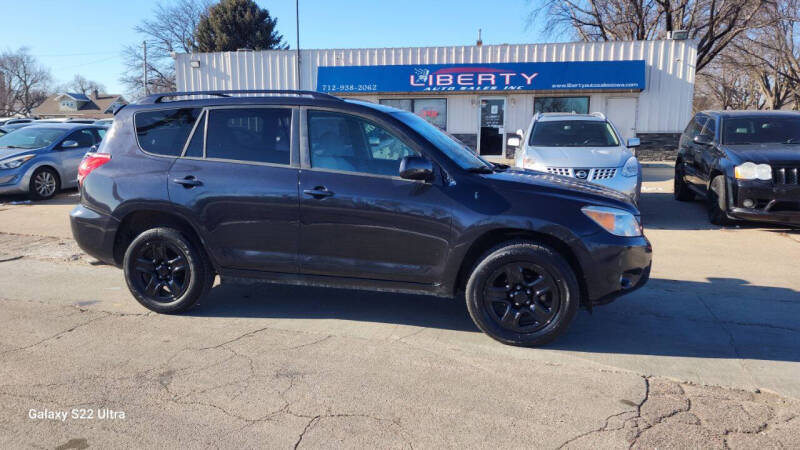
<point x="45" y="184"/>
<point x="681" y="190"/>
<point x="522" y="293"/>
<point x="166" y="272"/>
<point x="717" y="202"/>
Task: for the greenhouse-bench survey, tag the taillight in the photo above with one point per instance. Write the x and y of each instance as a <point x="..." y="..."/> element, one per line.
<point x="90" y="162"/>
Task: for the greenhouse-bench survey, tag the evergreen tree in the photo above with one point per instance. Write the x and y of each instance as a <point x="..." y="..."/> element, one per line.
<point x="234" y="24"/>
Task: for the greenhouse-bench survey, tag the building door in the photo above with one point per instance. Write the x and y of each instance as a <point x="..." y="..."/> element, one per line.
<point x="622" y="113"/>
<point x="492" y="134"/>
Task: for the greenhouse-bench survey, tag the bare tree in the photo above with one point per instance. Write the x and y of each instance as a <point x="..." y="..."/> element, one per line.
<point x="713" y="23"/>
<point x="82" y="85"/>
<point x="771" y="55"/>
<point x="25" y="82"/>
<point x="724" y="85"/>
<point x="171" y="29"/>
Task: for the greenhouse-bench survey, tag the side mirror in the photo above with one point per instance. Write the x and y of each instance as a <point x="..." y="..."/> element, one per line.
<point x="69" y="144"/>
<point x="634" y="142"/>
<point x="514" y="140"/>
<point x="703" y="139"/>
<point x="416" y="168"/>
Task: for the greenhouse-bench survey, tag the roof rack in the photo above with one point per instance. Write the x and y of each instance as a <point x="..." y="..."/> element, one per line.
<point x="159" y="98"/>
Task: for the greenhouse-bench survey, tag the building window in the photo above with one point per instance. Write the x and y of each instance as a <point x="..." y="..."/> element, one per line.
<point x="578" y="105"/>
<point x="434" y="110"/>
<point x="67" y="104"/>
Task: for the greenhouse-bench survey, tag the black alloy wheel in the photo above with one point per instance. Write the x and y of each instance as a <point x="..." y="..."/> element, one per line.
<point x="717" y="202"/>
<point x="165" y="271"/>
<point x="162" y="272"/>
<point x="522" y="293"/>
<point x="521" y="297"/>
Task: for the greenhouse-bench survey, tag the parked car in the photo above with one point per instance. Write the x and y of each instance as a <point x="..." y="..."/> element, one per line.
<point x="311" y="189"/>
<point x="53" y="120"/>
<point x="583" y="146"/>
<point x="9" y="127"/>
<point x="15" y="120"/>
<point x="41" y="159"/>
<point x="745" y="164"/>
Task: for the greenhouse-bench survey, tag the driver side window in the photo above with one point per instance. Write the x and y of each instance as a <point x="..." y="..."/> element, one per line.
<point x="84" y="138"/>
<point x="351" y="144"/>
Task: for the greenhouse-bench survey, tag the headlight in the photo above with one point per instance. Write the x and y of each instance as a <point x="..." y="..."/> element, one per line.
<point x="616" y="221"/>
<point x="753" y="171"/>
<point x="631" y="167"/>
<point x="13" y="163"/>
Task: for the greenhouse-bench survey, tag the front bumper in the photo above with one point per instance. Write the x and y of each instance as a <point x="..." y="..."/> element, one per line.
<point x="771" y="203"/>
<point x="615" y="266"/>
<point x="13" y="182"/>
<point x="94" y="232"/>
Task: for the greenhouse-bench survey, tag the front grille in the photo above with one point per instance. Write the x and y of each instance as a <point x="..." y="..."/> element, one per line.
<point x="785" y="175"/>
<point x="604" y="173"/>
<point x="600" y="173"/>
<point x="564" y="171"/>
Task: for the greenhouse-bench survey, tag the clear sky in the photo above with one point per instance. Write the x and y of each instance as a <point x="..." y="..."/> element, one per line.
<point x="86" y="36"/>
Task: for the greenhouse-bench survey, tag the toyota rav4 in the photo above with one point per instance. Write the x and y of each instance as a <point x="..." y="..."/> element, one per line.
<point x="305" y="188"/>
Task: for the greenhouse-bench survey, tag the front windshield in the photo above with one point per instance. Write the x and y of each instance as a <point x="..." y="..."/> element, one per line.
<point x="573" y="133"/>
<point x="761" y="130"/>
<point x="449" y="145"/>
<point x="30" y="137"/>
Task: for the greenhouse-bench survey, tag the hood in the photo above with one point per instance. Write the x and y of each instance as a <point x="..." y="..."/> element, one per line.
<point x="6" y="153"/>
<point x="578" y="156"/>
<point x="572" y="186"/>
<point x="764" y="153"/>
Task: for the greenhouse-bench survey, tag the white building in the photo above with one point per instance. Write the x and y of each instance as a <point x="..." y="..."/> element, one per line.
<point x="481" y="93"/>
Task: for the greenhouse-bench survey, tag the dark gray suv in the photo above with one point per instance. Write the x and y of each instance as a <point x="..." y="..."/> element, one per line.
<point x="302" y="187"/>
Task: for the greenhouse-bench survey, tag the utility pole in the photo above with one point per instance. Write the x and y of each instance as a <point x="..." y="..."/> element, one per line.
<point x="297" y="17"/>
<point x="144" y="66"/>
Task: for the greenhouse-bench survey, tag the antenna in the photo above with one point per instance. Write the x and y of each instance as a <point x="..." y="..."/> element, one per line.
<point x="480" y="41"/>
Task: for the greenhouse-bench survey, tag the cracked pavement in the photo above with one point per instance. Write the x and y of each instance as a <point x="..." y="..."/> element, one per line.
<point x="707" y="355"/>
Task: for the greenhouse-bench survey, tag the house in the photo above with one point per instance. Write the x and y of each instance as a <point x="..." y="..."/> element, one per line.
<point x="70" y="104"/>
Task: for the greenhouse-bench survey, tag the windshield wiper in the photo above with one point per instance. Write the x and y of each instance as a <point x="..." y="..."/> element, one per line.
<point x="480" y="169"/>
<point x="500" y="167"/>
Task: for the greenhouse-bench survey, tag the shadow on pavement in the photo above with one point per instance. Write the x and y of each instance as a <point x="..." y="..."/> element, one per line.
<point x="721" y="318"/>
<point x="65" y="197"/>
<point x="661" y="211"/>
<point x="303" y="302"/>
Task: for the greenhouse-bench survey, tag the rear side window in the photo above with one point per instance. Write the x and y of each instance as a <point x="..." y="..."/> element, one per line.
<point x="250" y="134"/>
<point x="164" y="132"/>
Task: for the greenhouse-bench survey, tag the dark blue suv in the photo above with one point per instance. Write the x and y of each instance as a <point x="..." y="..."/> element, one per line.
<point x="305" y="188"/>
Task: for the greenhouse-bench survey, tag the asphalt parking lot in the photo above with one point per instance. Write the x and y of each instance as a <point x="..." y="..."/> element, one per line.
<point x="706" y="355"/>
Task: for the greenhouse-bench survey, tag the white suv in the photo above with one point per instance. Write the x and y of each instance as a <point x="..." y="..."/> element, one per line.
<point x="583" y="146"/>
